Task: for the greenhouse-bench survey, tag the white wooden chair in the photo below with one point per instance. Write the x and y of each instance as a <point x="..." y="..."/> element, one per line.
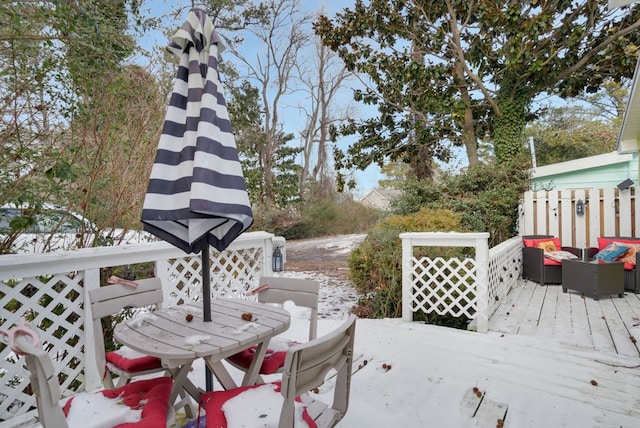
<point x="109" y="300"/>
<point x="305" y="368"/>
<point x="112" y="299"/>
<point x="152" y="395"/>
<point x="278" y="290"/>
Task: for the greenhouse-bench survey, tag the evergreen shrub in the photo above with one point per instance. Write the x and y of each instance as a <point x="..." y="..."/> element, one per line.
<point x="375" y="266"/>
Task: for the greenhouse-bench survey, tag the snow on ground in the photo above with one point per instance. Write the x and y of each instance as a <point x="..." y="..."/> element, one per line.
<point x="336" y="298"/>
<point x="415" y="375"/>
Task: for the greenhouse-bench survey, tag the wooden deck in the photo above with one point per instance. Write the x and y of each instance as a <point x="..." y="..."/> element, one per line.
<point x="610" y="324"/>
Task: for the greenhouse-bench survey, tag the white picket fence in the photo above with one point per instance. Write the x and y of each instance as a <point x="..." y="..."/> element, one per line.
<point x="50" y="290"/>
<point x="607" y="212"/>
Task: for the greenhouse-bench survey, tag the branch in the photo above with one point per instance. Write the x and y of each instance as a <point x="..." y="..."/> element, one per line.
<point x="591" y="53"/>
<point x="458" y="52"/>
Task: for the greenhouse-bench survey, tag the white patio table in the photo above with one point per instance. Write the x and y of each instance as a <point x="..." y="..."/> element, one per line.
<point x="178" y="336"/>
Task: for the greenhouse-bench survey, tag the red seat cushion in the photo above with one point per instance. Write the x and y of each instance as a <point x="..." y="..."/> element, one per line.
<point x="273" y="359"/>
<point x="152" y="395"/>
<point x="549" y="262"/>
<point x="213" y="403"/>
<point x="133" y="365"/>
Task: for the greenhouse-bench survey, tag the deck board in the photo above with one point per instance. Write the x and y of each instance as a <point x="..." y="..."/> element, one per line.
<point x="599" y="326"/>
<point x="563" y="326"/>
<point x="609" y="324"/>
<point x="548" y="311"/>
<point x="531" y="318"/>
<point x="581" y="326"/>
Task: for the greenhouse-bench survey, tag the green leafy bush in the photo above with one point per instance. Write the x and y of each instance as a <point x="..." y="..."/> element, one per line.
<point x="483" y="199"/>
<point x="376" y="264"/>
<point x="487" y="196"/>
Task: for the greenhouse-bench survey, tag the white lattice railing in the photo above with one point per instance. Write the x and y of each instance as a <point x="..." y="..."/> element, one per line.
<point x="472" y="287"/>
<point x="505" y="267"/>
<point x="50" y="289"/>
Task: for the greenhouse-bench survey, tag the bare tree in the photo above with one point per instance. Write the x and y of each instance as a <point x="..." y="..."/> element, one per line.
<point x="323" y="81"/>
<point x="270" y="66"/>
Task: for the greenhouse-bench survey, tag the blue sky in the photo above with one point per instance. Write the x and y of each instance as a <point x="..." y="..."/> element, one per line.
<point x="366" y="180"/>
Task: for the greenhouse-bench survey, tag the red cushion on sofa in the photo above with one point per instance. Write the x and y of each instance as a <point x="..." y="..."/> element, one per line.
<point x="212" y="403"/>
<point x="152" y="395"/>
<point x="549" y="262"/>
<point x="133" y="365"/>
<point x="537" y="243"/>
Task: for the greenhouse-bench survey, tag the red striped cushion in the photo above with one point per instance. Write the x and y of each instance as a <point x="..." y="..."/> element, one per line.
<point x="273" y="360"/>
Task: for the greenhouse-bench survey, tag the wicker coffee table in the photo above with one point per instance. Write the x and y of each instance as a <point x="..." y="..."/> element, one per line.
<point x="593" y="277"/>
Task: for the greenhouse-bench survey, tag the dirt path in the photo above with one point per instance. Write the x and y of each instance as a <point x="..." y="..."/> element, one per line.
<point x="325" y="259"/>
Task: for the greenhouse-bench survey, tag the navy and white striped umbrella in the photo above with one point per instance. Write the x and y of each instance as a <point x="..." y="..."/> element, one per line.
<point x="197" y="193"/>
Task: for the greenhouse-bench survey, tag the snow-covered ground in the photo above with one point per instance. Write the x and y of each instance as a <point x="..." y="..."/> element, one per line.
<point x="415" y="375"/>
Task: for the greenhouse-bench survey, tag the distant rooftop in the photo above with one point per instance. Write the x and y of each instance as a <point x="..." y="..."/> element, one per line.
<point x="380" y="198"/>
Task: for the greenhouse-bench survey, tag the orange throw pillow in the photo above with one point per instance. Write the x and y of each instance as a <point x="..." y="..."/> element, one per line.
<point x="546" y="244"/>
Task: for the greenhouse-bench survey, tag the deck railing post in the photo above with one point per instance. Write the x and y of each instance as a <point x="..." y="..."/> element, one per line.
<point x="92" y="378"/>
<point x="429" y="292"/>
<point x="407" y="278"/>
<point x="482" y="283"/>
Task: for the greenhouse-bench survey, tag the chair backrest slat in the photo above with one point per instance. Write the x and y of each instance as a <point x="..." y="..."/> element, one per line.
<point x="113" y="298"/>
<point x="307" y="365"/>
<point x="302" y="292"/>
<point x="44" y="383"/>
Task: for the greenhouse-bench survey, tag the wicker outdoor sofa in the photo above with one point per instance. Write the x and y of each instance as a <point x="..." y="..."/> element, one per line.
<point x="536" y="267"/>
<point x="631" y="259"/>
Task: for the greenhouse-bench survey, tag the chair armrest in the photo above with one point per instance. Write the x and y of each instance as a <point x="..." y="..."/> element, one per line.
<point x="574" y="250"/>
<point x="533" y="254"/>
<point x="591" y="251"/>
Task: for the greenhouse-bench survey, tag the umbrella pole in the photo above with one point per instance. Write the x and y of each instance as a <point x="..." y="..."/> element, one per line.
<point x="206" y="284"/>
<point x="206" y="306"/>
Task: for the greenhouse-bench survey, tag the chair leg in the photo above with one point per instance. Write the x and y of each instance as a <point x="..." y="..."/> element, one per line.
<point x="187" y="403"/>
<point x="122" y="381"/>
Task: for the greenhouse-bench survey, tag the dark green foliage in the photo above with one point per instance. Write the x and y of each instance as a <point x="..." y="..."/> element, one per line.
<point x="442" y="320"/>
<point x="460" y="72"/>
<point x="487" y="197"/>
<point x="376" y="265"/>
<point x="484" y="199"/>
<point x="574" y="132"/>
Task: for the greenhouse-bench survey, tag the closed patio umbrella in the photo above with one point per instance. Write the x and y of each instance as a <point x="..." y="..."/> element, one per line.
<point x="197" y="195"/>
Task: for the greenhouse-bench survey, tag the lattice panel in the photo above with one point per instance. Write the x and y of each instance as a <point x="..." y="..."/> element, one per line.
<point x="54" y="305"/>
<point x="443" y="286"/>
<point x="232" y="274"/>
<point x="505" y="265"/>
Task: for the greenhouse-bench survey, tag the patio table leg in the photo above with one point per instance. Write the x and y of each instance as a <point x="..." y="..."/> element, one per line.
<point x="250" y="376"/>
<point x="185" y="388"/>
<point x="221" y="373"/>
<point x="252" y="373"/>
